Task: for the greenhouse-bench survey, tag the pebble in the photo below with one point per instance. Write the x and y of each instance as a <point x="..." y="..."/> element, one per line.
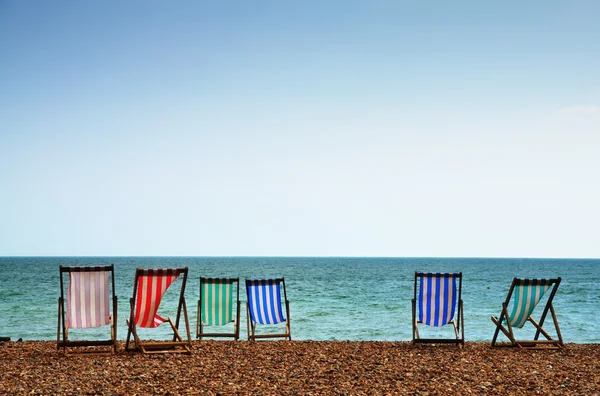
<point x="302" y="367"/>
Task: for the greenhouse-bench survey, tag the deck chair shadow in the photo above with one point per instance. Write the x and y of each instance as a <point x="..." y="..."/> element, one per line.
<point x="215" y="307"/>
<point x="87" y="305"/>
<point x="148" y="290"/>
<point x="526" y="294"/>
<point x="264" y="307"/>
<point x="437" y="298"/>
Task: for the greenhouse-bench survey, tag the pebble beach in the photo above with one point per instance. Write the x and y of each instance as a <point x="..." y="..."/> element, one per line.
<point x="303" y="367"/>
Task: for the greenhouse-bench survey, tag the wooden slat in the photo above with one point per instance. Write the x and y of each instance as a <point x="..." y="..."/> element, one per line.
<point x="85" y="343"/>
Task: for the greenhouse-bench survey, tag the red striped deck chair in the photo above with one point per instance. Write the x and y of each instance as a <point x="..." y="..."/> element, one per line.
<point x="87" y="305"/>
<point x="437" y="298"/>
<point x="264" y="307"/>
<point x="215" y="307"/>
<point x="148" y="290"/>
<point x="526" y="294"/>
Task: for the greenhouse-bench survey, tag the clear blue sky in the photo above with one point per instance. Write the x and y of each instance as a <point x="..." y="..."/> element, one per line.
<point x="304" y="128"/>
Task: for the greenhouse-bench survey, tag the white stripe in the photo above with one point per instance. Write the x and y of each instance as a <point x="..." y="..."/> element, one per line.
<point x="452" y="296"/>
<point x="260" y="306"/>
<point x="208" y="303"/>
<point x="219" y="303"/>
<point x="227" y="288"/>
<point x="71" y="305"/>
<point x="204" y="303"/>
<point x="92" y="279"/>
<point x="253" y="302"/>
<point x="104" y="308"/>
<point x="441" y="299"/>
<point x="144" y="301"/>
<point x="432" y="298"/>
<point x="213" y="307"/>
<point x="519" y="302"/>
<point x="527" y="305"/>
<point x="81" y="298"/>
<point x="425" y="296"/>
<point x="271" y="289"/>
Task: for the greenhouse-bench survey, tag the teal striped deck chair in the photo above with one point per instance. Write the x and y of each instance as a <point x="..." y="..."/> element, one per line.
<point x="216" y="305"/>
<point x="526" y="294"/>
<point x="438" y="298"/>
<point x="265" y="307"/>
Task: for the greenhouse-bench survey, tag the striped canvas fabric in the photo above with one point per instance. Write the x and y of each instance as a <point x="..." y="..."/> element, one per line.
<point x="152" y="285"/>
<point x="526" y="295"/>
<point x="88" y="299"/>
<point x="217" y="297"/>
<point x="264" y="301"/>
<point x="437" y="299"/>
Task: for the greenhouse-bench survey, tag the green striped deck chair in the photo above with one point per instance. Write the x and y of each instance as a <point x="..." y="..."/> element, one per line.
<point x="437" y="297"/>
<point x="526" y="294"/>
<point x="215" y="307"/>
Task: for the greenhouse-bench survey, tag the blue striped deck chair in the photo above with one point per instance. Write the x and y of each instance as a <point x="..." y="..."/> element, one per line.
<point x="264" y="307"/>
<point x="526" y="294"/>
<point x="215" y="307"/>
<point x="437" y="298"/>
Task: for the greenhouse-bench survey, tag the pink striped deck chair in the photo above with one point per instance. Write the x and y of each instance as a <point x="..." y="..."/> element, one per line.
<point x="148" y="290"/>
<point x="88" y="305"/>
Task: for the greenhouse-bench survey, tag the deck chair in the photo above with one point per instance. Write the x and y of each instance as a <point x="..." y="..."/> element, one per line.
<point x="264" y="307"/>
<point x="437" y="299"/>
<point x="526" y="294"/>
<point x="87" y="305"/>
<point x="148" y="289"/>
<point x="215" y="306"/>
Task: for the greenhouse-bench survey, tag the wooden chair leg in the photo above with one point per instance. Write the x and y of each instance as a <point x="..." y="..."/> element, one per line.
<point x="558" y="333"/>
<point x="248" y="322"/>
<point x="187" y="324"/>
<point x="59" y="324"/>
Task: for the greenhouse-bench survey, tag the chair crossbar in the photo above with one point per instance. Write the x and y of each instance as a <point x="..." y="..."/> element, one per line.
<point x="76" y="343"/>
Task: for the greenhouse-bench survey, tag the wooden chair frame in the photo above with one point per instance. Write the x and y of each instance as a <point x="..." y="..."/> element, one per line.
<point x="252" y="336"/>
<point x="151" y="347"/>
<point x="536" y="343"/>
<point x="62" y="333"/>
<point x="458" y="324"/>
<point x="236" y="322"/>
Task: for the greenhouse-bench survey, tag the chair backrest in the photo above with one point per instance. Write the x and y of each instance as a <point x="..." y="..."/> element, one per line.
<point x="216" y="299"/>
<point x="264" y="300"/>
<point x="527" y="294"/>
<point x="151" y="285"/>
<point x="88" y="296"/>
<point x="437" y="297"/>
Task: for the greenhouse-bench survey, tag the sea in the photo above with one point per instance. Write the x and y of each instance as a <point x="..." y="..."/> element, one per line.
<point x="331" y="298"/>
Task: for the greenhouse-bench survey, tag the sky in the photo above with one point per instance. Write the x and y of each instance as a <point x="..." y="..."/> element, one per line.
<point x="300" y="128"/>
